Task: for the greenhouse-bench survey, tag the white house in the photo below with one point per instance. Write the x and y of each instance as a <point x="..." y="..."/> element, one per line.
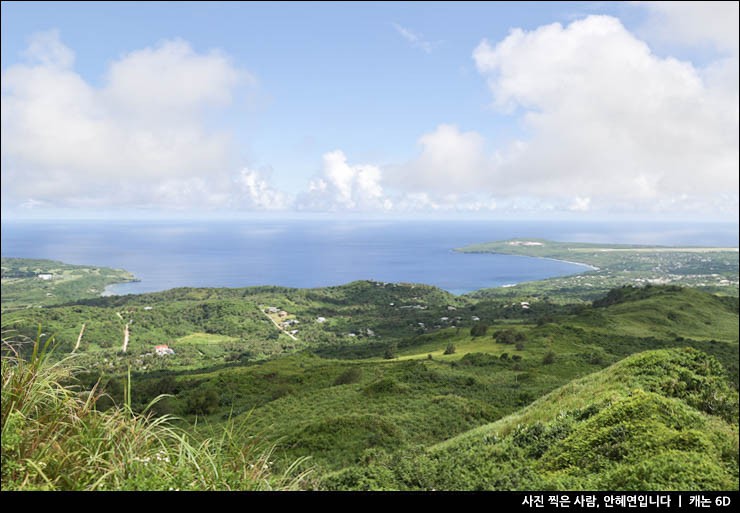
<point x="45" y="276"/>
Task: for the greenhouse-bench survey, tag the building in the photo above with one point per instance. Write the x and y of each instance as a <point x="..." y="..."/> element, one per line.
<point x="45" y="276"/>
<point x="163" y="350"/>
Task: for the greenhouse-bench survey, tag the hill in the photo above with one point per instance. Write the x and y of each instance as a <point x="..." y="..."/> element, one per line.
<point x="373" y="372"/>
<point x="339" y="411"/>
<point x="658" y="420"/>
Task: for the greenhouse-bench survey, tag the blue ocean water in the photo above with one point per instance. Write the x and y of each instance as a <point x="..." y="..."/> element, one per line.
<point x="314" y="253"/>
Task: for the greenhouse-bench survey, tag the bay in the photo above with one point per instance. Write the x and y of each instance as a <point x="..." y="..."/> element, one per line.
<point x="317" y="253"/>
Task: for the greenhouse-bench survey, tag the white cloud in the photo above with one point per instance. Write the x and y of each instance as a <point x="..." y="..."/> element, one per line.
<point x="171" y="79"/>
<point x="694" y="23"/>
<point x="415" y="39"/>
<point x="449" y="161"/>
<point x="341" y="186"/>
<point x="580" y="204"/>
<point x="139" y="139"/>
<point x="46" y="49"/>
<point x="258" y="193"/>
<point x="607" y="118"/>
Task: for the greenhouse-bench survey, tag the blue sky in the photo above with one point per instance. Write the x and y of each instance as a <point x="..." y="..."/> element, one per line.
<point x="398" y="109"/>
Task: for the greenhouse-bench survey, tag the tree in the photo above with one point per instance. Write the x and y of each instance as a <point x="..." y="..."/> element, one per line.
<point x="450" y="349"/>
<point x="507" y="336"/>
<point x="479" y="329"/>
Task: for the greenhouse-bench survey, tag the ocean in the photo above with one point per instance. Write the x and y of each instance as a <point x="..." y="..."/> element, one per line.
<point x="317" y="253"/>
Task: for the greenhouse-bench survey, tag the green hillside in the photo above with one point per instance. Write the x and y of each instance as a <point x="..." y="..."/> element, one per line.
<point x="377" y="382"/>
<point x="658" y="420"/>
<point x="659" y="311"/>
<point x="340" y="411"/>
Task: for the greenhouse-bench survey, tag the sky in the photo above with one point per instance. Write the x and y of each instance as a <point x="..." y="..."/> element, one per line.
<point x="573" y="110"/>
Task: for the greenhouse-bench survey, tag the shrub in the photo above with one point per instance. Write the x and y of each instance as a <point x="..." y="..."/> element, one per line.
<point x="549" y="357"/>
<point x="349" y="376"/>
<point x="450" y="349"/>
<point x="202" y="401"/>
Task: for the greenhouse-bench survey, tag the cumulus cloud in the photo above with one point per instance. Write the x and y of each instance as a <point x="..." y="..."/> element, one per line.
<point x="448" y="161"/>
<point x="258" y="193"/>
<point x="607" y="118"/>
<point x="608" y="124"/>
<point x="342" y="186"/>
<point x="598" y="103"/>
<point x="694" y="23"/>
<point x="139" y="139"/>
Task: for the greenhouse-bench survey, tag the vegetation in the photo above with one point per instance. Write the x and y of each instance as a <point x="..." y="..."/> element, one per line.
<point x="659" y="420"/>
<point x="55" y="438"/>
<point x="382" y="386"/>
<point x="29" y="283"/>
<point x="613" y="265"/>
<point x="479" y="330"/>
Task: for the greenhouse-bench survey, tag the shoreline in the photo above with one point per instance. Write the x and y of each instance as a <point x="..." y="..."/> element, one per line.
<point x="591" y="267"/>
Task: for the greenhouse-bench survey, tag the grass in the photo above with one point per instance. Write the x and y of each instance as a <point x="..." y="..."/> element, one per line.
<point x="658" y="420"/>
<point x="205" y="339"/>
<point x="54" y="438"/>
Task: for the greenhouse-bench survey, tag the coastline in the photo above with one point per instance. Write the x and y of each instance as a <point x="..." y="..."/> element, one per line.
<point x="591" y="267"/>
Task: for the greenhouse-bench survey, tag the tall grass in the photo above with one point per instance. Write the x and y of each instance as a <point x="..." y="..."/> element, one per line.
<point x="53" y="438"/>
